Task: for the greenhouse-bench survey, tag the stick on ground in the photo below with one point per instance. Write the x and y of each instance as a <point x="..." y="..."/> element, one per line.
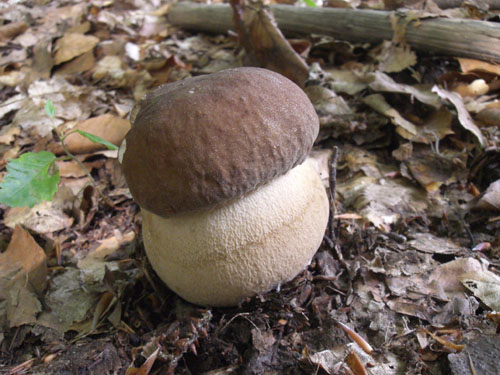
<point x="443" y="36"/>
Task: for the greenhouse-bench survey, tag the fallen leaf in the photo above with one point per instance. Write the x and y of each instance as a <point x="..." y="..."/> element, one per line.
<point x="463" y="115"/>
<point x="445" y="279"/>
<point x="259" y="34"/>
<point x="11" y="30"/>
<point x="432" y="169"/>
<point x="394" y="58"/>
<point x="8" y="134"/>
<point x="379" y="104"/>
<point x="490" y="199"/>
<point x="428" y="243"/>
<point x="485" y="285"/>
<point x="64" y="287"/>
<point x="80" y="64"/>
<point x="23" y="276"/>
<point x="46" y="217"/>
<point x="382" y="202"/>
<point x="113" y="129"/>
<point x="25" y="254"/>
<point x="94" y="263"/>
<point x="432" y="129"/>
<point x="471" y="65"/>
<point x="72" y="45"/>
<point x="382" y="82"/>
<point x="355" y="364"/>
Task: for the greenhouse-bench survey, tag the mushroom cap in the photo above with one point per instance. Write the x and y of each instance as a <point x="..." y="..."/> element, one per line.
<point x="245" y="247"/>
<point x="202" y="141"/>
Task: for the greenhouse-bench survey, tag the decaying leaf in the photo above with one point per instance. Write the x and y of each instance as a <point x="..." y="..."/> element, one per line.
<point x="46" y="217"/>
<point x="395" y="58"/>
<point x="446" y="279"/>
<point x="432" y="244"/>
<point x="383" y="204"/>
<point x="23" y="277"/>
<point x="463" y="115"/>
<point x="485" y="285"/>
<point x="380" y="81"/>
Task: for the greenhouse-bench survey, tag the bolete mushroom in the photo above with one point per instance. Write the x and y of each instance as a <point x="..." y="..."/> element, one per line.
<point x="230" y="209"/>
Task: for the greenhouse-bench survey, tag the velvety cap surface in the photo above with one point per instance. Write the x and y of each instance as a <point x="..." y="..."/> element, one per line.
<point x="205" y="140"/>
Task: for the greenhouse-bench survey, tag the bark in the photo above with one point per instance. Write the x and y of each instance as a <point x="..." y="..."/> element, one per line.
<point x="442" y="36"/>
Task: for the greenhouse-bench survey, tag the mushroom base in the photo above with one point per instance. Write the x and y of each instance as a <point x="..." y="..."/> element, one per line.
<point x="245" y="247"/>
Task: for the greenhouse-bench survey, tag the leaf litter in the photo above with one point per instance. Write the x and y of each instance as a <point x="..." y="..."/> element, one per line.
<point x="416" y="216"/>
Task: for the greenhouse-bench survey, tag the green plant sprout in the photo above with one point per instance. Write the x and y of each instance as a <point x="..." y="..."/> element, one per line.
<point x="33" y="177"/>
<point x="310" y="3"/>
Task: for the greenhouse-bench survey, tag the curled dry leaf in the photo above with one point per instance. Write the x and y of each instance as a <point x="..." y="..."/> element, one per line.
<point x="258" y="32"/>
<point x="490" y="199"/>
<point x="463" y="115"/>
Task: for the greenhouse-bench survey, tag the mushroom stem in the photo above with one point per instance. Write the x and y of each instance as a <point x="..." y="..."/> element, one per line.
<point x="246" y="246"/>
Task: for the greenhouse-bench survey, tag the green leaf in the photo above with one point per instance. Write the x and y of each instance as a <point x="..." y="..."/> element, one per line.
<point x="50" y="110"/>
<point x="30" y="179"/>
<point x="310" y="3"/>
<point x="97" y="139"/>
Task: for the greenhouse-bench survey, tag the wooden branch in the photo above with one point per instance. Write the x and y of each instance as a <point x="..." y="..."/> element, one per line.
<point x="442" y="36"/>
<point x="446" y="4"/>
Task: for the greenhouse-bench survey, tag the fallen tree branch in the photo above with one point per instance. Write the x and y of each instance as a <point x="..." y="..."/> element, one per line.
<point x="443" y="36"/>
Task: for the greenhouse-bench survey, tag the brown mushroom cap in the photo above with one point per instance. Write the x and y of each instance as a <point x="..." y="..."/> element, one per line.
<point x="200" y="142"/>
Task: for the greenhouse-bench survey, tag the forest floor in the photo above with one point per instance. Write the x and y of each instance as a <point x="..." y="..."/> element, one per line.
<point x="407" y="280"/>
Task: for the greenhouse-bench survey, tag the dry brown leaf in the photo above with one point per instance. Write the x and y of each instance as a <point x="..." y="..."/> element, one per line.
<point x="470" y="65"/>
<point x="409" y="307"/>
<point x="82" y="63"/>
<point x="354" y="362"/>
<point x="259" y="34"/>
<point x="11" y="30"/>
<point x="394" y="58"/>
<point x="490" y="116"/>
<point x="444" y="342"/>
<point x="379" y="104"/>
<point x="490" y="199"/>
<point x="113" y="129"/>
<point x="434" y="128"/>
<point x="70" y="168"/>
<point x="380" y="81"/>
<point x="25" y="254"/>
<point x="93" y="265"/>
<point x="8" y="134"/>
<point x="475" y="88"/>
<point x="431" y="169"/>
<point x="12" y="78"/>
<point x="146" y="366"/>
<point x="23" y="276"/>
<point x="72" y="45"/>
<point x="463" y="115"/>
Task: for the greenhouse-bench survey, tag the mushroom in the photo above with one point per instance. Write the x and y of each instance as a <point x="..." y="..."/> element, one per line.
<point x="216" y="163"/>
